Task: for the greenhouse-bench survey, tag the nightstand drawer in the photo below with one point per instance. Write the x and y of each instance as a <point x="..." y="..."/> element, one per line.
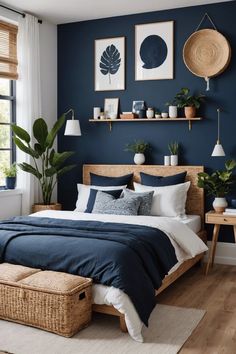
<point x="220" y="219"/>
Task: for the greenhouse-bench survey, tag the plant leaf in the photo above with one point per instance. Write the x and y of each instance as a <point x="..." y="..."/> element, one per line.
<point x="30" y="169"/>
<point x="39" y="149"/>
<point x="49" y="172"/>
<point x="59" y="158"/>
<point x="110" y="60"/>
<point x="53" y="133"/>
<point x="21" y="133"/>
<point x="28" y="150"/>
<point x="65" y="169"/>
<point x="40" y="131"/>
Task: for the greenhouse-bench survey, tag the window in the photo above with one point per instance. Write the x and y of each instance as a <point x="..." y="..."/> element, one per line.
<point x="7" y="116"/>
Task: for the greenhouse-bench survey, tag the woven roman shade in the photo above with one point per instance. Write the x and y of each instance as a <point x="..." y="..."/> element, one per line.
<point x="8" y="51"/>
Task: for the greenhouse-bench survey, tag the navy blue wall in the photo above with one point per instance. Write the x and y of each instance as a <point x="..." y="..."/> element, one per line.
<point x="97" y="144"/>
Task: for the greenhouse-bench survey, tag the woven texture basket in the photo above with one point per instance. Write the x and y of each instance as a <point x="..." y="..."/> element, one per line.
<point x="53" y="301"/>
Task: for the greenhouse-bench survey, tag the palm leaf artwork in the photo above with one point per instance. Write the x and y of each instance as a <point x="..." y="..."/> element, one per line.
<point x="110" y="61"/>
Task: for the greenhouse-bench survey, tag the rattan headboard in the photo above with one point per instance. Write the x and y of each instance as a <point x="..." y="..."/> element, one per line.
<point x="195" y="201"/>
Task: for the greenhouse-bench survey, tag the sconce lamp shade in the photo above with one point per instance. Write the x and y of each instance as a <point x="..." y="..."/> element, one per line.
<point x="218" y="150"/>
<point x="72" y="128"/>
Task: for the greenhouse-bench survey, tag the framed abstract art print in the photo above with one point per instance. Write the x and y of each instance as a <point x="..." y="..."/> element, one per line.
<point x="109" y="64"/>
<point x="154" y="51"/>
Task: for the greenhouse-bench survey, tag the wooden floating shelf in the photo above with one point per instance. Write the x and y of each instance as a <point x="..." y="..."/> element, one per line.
<point x="111" y="121"/>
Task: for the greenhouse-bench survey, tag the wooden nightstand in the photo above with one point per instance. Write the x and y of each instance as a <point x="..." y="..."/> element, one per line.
<point x="217" y="219"/>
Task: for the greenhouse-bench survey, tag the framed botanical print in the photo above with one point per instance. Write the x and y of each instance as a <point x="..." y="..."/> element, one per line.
<point x="154" y="51"/>
<point x="111" y="107"/>
<point x="109" y="64"/>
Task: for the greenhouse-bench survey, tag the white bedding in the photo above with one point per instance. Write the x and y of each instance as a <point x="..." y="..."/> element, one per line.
<point x="186" y="243"/>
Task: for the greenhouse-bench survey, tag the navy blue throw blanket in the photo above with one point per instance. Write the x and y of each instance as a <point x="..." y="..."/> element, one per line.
<point x="132" y="258"/>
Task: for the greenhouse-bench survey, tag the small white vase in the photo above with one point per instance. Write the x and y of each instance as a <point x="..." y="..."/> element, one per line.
<point x="139" y="159"/>
<point x="219" y="204"/>
<point x="173" y="160"/>
<point x="167" y="160"/>
<point x="173" y="113"/>
<point x="150" y="113"/>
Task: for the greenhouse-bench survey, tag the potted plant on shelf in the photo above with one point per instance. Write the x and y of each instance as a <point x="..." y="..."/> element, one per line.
<point x="10" y="176"/>
<point x="139" y="147"/>
<point x="47" y="164"/>
<point x="174" y="150"/>
<point x="218" y="184"/>
<point x="190" y="103"/>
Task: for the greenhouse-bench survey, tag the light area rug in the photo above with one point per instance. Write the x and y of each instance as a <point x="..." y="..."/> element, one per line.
<point x="169" y="328"/>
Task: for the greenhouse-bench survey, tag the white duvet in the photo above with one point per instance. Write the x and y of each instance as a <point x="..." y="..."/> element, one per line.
<point x="186" y="243"/>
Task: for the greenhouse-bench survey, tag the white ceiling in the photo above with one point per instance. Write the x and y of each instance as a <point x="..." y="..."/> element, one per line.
<point x="59" y="11"/>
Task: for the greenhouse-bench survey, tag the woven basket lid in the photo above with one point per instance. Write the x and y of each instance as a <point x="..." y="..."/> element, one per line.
<point x="206" y="53"/>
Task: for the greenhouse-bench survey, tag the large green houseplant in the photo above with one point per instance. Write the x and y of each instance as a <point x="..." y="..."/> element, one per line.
<point x="218" y="184"/>
<point x="47" y="164"/>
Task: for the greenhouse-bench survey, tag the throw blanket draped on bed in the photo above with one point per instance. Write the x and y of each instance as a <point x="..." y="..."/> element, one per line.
<point x="132" y="258"/>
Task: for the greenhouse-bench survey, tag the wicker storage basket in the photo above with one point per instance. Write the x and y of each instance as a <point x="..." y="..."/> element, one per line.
<point x="53" y="301"/>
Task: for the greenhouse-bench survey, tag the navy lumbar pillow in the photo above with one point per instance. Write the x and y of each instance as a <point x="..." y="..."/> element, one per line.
<point x="160" y="181"/>
<point x="92" y="197"/>
<point x="146" y="200"/>
<point x="107" y="204"/>
<point x="98" y="180"/>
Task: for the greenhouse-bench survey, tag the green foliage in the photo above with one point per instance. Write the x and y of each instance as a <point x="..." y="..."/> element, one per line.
<point x="47" y="164"/>
<point x="219" y="183"/>
<point x="138" y="147"/>
<point x="184" y="99"/>
<point x="173" y="148"/>
<point x="10" y="171"/>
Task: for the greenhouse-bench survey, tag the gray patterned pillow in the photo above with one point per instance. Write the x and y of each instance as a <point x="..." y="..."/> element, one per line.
<point x="107" y="204"/>
<point x="146" y="200"/>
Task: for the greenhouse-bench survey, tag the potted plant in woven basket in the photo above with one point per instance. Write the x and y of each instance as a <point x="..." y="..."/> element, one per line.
<point x="218" y="184"/>
<point x="47" y="164"/>
<point x="139" y="147"/>
<point x="189" y="102"/>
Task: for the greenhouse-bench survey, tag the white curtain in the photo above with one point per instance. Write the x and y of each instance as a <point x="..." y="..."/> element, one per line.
<point x="28" y="99"/>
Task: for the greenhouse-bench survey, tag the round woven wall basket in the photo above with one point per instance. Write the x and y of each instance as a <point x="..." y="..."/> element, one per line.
<point x="206" y="53"/>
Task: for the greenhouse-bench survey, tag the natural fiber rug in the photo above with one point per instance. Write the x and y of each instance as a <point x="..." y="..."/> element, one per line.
<point x="168" y="330"/>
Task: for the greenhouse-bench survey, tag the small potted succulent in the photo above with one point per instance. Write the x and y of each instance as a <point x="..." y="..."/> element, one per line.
<point x="10" y="176"/>
<point x="174" y="150"/>
<point x="139" y="147"/>
<point x="218" y="184"/>
<point x="190" y="103"/>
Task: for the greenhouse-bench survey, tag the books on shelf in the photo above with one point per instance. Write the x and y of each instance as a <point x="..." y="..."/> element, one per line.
<point x="230" y="211"/>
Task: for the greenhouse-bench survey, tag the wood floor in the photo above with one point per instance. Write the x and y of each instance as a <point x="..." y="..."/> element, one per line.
<point x="215" y="293"/>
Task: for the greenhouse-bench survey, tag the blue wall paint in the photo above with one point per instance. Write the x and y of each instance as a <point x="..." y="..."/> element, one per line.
<point x="97" y="144"/>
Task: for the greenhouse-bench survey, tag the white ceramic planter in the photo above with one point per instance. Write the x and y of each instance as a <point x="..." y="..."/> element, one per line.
<point x="219" y="204"/>
<point x="174" y="160"/>
<point x="139" y="159"/>
<point x="167" y="160"/>
<point x="173" y="112"/>
<point x="150" y="113"/>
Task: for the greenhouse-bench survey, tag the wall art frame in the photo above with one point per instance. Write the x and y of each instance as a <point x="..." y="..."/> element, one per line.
<point x="154" y="51"/>
<point x="109" y="64"/>
<point x="111" y="106"/>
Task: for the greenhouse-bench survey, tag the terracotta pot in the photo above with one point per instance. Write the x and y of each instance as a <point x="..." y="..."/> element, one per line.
<point x="40" y="207"/>
<point x="190" y="112"/>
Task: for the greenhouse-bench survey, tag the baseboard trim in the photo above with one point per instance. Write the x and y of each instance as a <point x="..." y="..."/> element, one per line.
<point x="225" y="253"/>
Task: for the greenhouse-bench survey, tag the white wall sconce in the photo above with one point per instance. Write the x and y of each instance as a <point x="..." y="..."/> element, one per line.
<point x="218" y="149"/>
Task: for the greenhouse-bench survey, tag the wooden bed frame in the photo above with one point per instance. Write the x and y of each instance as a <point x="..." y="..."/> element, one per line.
<point x="194" y="206"/>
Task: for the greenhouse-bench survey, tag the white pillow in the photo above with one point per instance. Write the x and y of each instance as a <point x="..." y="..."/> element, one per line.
<point x="167" y="201"/>
<point x="84" y="192"/>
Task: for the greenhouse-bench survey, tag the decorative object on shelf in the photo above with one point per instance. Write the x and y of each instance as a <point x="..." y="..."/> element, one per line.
<point x="110" y="64"/>
<point x="167" y="160"/>
<point x="190" y="103"/>
<point x="142" y="113"/>
<point x="10" y="176"/>
<point x="157" y="114"/>
<point x="96" y="112"/>
<point x="137" y="106"/>
<point x="154" y="51"/>
<point x="48" y="164"/>
<point x="218" y="150"/>
<point x="72" y="125"/>
<point x="150" y="113"/>
<point x="139" y="147"/>
<point x="207" y="52"/>
<point x="218" y="184"/>
<point x="111" y="107"/>
<point x="173" y="109"/>
<point x="102" y="115"/>
<point x="164" y="115"/>
<point x="174" y="149"/>
<point x="128" y="115"/>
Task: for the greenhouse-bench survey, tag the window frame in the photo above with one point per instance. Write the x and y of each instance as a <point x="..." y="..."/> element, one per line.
<point x="12" y="100"/>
